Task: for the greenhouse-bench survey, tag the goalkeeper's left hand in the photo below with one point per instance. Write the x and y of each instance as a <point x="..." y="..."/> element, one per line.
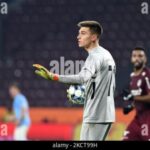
<point x="43" y="72"/>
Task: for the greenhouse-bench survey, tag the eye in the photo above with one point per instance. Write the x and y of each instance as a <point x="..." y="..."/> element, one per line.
<point x="83" y="33"/>
<point x="140" y="56"/>
<point x="133" y="55"/>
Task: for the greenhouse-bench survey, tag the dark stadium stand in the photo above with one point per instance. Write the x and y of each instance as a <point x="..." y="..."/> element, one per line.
<point x="43" y="30"/>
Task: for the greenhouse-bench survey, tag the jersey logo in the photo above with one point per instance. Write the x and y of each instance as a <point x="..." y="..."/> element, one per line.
<point x="109" y="68"/>
<point x="143" y="73"/>
<point x="139" y="82"/>
<point x="136" y="92"/>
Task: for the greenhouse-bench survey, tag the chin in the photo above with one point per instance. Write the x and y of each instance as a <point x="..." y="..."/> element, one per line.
<point x="81" y="46"/>
<point x="137" y="67"/>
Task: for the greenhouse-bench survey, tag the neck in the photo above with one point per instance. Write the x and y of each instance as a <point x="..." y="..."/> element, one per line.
<point x="16" y="94"/>
<point x="91" y="46"/>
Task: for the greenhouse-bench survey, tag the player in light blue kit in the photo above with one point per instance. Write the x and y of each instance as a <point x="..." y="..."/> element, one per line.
<point x="20" y="113"/>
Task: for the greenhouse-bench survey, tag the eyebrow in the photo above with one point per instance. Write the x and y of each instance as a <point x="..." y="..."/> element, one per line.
<point x="82" y="31"/>
<point x="138" y="54"/>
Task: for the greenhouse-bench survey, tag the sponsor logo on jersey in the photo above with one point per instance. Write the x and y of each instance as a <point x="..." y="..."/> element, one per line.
<point x="136" y="92"/>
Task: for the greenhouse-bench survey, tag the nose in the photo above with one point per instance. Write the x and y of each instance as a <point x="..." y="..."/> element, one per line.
<point x="78" y="37"/>
<point x="137" y="59"/>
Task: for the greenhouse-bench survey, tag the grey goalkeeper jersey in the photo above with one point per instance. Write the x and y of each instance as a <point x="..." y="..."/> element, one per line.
<point x="98" y="74"/>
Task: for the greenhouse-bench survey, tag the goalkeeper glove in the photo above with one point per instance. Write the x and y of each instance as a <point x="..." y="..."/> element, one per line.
<point x="43" y="72"/>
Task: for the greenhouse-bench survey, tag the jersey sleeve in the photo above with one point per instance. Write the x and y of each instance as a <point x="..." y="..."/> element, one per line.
<point x="147" y="80"/>
<point x="87" y="71"/>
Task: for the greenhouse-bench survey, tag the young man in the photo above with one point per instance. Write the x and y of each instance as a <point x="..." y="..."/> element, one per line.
<point x="139" y="98"/>
<point x="20" y="112"/>
<point x="98" y="73"/>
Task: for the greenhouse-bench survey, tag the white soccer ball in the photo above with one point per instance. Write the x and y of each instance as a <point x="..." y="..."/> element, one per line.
<point x="76" y="94"/>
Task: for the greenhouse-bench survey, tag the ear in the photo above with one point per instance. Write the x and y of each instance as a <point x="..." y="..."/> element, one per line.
<point x="94" y="37"/>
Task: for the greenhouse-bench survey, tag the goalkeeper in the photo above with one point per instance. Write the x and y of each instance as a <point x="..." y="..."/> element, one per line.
<point x="98" y="73"/>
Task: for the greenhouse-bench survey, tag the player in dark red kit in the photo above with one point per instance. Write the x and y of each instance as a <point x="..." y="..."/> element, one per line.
<point x="138" y="97"/>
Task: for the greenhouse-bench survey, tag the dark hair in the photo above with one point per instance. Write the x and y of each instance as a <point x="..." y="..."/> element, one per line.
<point x="140" y="49"/>
<point x="94" y="26"/>
<point x="15" y="84"/>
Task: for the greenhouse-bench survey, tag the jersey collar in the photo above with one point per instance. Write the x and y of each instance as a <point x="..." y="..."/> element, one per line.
<point x="94" y="50"/>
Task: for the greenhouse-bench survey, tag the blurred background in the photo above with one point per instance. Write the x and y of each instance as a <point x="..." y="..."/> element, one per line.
<point x="38" y="31"/>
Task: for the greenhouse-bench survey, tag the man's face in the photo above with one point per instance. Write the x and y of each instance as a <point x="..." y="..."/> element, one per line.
<point x="13" y="91"/>
<point x="138" y="59"/>
<point x="85" y="37"/>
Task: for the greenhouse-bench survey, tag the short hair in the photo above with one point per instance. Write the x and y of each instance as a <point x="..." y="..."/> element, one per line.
<point x="140" y="49"/>
<point x="94" y="26"/>
<point x="15" y="84"/>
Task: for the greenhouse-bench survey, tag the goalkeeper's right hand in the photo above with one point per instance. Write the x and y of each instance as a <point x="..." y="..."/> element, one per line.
<point x="43" y="72"/>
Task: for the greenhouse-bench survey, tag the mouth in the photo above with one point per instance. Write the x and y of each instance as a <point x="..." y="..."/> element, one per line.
<point x="79" y="42"/>
<point x="137" y="62"/>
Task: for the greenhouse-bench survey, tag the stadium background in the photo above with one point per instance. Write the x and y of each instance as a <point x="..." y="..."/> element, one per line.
<point x="37" y="31"/>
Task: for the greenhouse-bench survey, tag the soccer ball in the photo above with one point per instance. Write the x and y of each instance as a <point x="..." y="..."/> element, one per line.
<point x="76" y="94"/>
